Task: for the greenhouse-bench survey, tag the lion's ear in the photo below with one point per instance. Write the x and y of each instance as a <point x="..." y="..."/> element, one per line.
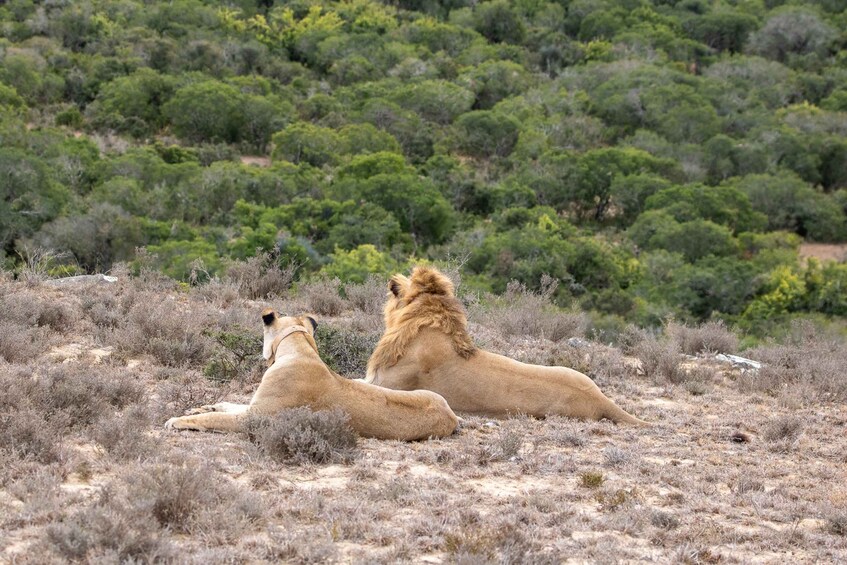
<point x="314" y="323"/>
<point x="268" y="316"/>
<point x="396" y="285"/>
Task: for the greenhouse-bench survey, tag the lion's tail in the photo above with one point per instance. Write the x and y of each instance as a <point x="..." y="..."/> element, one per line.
<point x="620" y="416"/>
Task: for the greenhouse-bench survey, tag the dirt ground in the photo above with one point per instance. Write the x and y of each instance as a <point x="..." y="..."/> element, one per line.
<point x="723" y="474"/>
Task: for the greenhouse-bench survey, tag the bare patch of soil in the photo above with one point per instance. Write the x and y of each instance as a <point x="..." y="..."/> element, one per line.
<point x="256" y="160"/>
<point x="824" y="251"/>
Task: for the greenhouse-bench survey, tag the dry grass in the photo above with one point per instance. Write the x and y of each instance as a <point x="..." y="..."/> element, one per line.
<point x="88" y="475"/>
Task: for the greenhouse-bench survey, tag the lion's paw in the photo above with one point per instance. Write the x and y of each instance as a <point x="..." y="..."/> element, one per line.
<point x="171" y="424"/>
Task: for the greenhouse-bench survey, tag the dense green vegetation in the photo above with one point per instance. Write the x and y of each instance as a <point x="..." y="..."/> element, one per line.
<point x="656" y="156"/>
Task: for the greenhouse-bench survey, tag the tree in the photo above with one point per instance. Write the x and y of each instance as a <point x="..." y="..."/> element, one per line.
<point x="499" y="23"/>
<point x="486" y="134"/>
<point x="793" y="32"/>
<point x="206" y="111"/>
<point x="493" y="81"/>
<point x="725" y="205"/>
<point x="435" y="100"/>
<point x="133" y="104"/>
<point x="28" y="195"/>
<point x="722" y="30"/>
<point x="791" y="204"/>
<point x="302" y="142"/>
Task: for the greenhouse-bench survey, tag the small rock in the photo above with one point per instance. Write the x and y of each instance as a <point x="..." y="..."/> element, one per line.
<point x="81" y="280"/>
<point x="737" y="361"/>
<point x="577" y="342"/>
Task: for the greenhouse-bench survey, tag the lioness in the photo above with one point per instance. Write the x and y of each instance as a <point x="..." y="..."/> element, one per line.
<point x="298" y="377"/>
<point x="426" y="345"/>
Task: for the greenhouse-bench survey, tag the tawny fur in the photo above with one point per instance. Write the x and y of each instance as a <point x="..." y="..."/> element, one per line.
<point x="298" y="377"/>
<point x="426" y="345"/>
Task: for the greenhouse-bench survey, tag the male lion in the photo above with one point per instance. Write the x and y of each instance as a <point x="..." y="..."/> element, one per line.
<point x="426" y="345"/>
<point x="298" y="377"/>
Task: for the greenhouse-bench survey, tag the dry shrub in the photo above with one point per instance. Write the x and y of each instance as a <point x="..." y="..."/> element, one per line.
<point x="124" y="435"/>
<point x="103" y="309"/>
<point x="787" y="428"/>
<point x="160" y="329"/>
<point x="503" y="446"/>
<point x="20" y="343"/>
<point x="113" y="529"/>
<point x="260" y="277"/>
<point x="660" y="359"/>
<point x="135" y="512"/>
<point x="82" y="393"/>
<point x="40" y="494"/>
<point x="28" y="308"/>
<point x="615" y="457"/>
<point x="322" y="296"/>
<point x="522" y="312"/>
<point x="28" y="433"/>
<point x="193" y="498"/>
<point x="178" y="391"/>
<point x="312" y="546"/>
<point x="35" y="413"/>
<point x="591" y="479"/>
<point x="607" y="365"/>
<point x="663" y="520"/>
<point x="505" y="542"/>
<point x="836" y="521"/>
<point x="299" y="436"/>
<point x="809" y="364"/>
<point x="369" y="296"/>
<point x="345" y="350"/>
<point x="711" y="337"/>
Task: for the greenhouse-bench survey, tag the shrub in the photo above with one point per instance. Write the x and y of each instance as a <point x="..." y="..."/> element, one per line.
<point x="591" y="479"/>
<point x="368" y="296"/>
<point x="124" y="435"/>
<point x="345" y="350"/>
<point x="19" y="343"/>
<point x="711" y="337"/>
<point x="28" y="433"/>
<point x="523" y="313"/>
<point x="260" y="277"/>
<point x="504" y="446"/>
<point x="238" y="353"/>
<point x="660" y="359"/>
<point x="811" y="365"/>
<point x="299" y="436"/>
<point x="615" y="457"/>
<point x="783" y="428"/>
<point x="322" y="296"/>
<point x="663" y="520"/>
<point x="158" y="328"/>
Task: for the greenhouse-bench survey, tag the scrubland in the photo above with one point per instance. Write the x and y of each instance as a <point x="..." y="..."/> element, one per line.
<point x="737" y="467"/>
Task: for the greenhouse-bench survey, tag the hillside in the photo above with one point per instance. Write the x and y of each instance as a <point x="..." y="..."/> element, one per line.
<point x="657" y="157"/>
<point x="739" y="466"/>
